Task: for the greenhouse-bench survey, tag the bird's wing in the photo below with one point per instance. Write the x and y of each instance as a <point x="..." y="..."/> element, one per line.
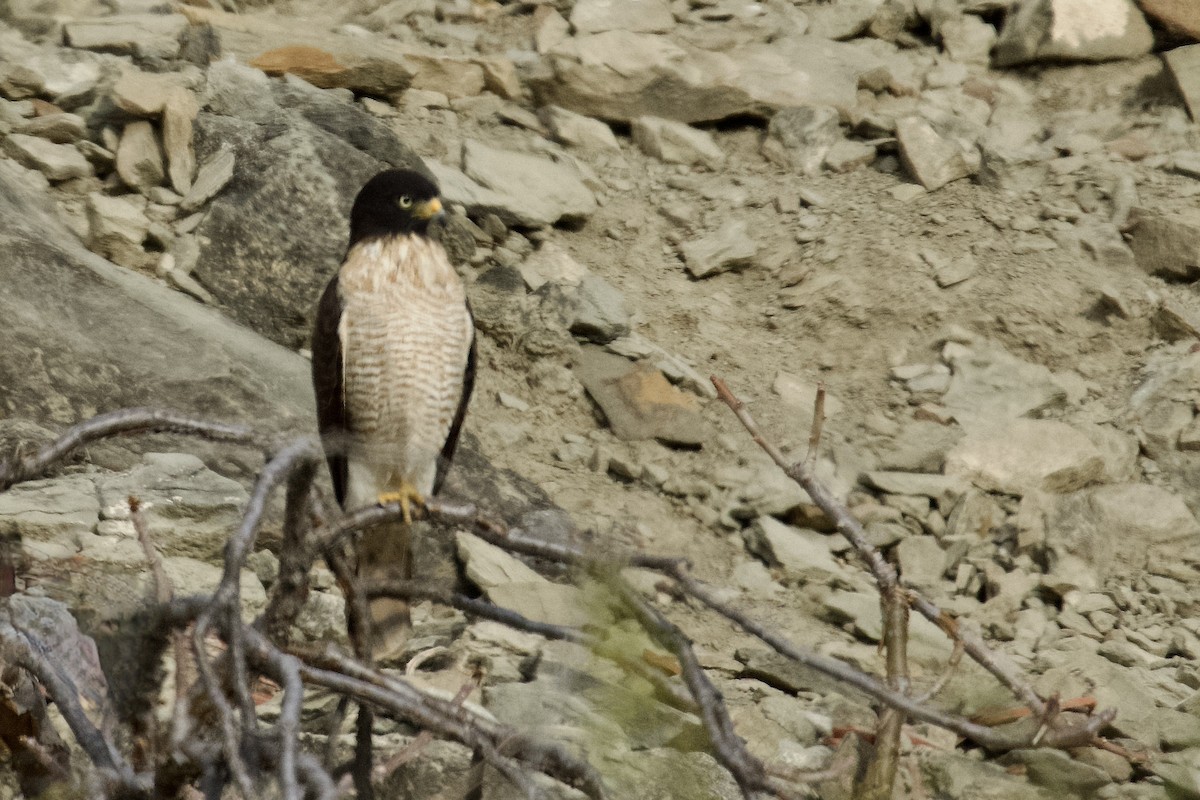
<point x="468" y="385"/>
<point x="328" y="387"/>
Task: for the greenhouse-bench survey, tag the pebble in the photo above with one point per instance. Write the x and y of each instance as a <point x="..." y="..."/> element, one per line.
<point x="798" y="551"/>
<point x="1026" y="455"/>
<point x="640" y="16"/>
<point x="551" y="264"/>
<point x="597" y="310"/>
<point x="512" y="401"/>
<point x="800" y="139"/>
<point x="933" y="161"/>
<point x="19" y="82"/>
<point x="179" y="112"/>
<point x="1167" y="245"/>
<point x="1043" y="30"/>
<point x="58" y="162"/>
<point x="576" y="130"/>
<point x="117" y="226"/>
<point x="59" y="128"/>
<point x="533" y="191"/>
<point x="139" y="157"/>
<point x="676" y="143"/>
<point x="211" y="178"/>
<point x="728" y="248"/>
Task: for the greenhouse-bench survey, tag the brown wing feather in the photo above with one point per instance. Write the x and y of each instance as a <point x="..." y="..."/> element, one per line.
<point x="327" y="386"/>
<point x="468" y="386"/>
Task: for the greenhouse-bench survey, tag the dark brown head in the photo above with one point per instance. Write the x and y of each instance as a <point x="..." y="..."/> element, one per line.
<point x="394" y="203"/>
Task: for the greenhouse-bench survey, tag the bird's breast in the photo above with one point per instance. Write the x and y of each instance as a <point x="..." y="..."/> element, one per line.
<point x="406" y="334"/>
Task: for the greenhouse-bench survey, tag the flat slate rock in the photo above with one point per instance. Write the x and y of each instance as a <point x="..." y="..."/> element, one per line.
<point x="621" y="75"/>
<point x="532" y="188"/>
<point x="1068" y="30"/>
<point x="638" y="402"/>
<point x="1025" y="455"/>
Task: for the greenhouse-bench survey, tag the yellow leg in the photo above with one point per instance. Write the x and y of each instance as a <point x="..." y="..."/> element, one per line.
<point x="406" y="495"/>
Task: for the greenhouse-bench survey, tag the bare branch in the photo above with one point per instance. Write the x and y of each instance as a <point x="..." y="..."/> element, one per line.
<point x="399" y="699"/>
<point x="115" y="423"/>
<point x="411" y="590"/>
<point x="296" y="554"/>
<point x="23" y="650"/>
<point x="226" y="602"/>
<point x="748" y="771"/>
<point x="885" y="574"/>
<point x="818" y="422"/>
<point x="844" y="673"/>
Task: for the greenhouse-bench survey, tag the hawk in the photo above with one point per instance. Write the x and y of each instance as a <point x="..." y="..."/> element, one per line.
<point x="393" y="360"/>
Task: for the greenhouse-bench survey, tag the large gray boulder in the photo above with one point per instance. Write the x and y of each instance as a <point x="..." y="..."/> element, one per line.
<point x="83" y="336"/>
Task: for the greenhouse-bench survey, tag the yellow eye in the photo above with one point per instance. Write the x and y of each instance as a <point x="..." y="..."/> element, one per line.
<point x="404" y="202"/>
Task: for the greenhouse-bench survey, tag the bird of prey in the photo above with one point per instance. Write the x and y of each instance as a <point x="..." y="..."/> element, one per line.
<point x="393" y="358"/>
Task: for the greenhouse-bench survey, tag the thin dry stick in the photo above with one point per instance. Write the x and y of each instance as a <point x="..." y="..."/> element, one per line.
<point x="884" y="573"/>
<point x="411" y="590"/>
<point x="413" y="749"/>
<point x="38" y="752"/>
<point x="880" y="779"/>
<point x="226" y="603"/>
<point x="164" y="593"/>
<point x="397" y="698"/>
<point x="844" y="673"/>
<point x="358" y="625"/>
<point x="115" y="423"/>
<point x="750" y="774"/>
<point x="20" y="648"/>
<point x="818" y="422"/>
<point x="677" y="568"/>
<point x="296" y="554"/>
<point x="944" y="678"/>
<point x="493" y="531"/>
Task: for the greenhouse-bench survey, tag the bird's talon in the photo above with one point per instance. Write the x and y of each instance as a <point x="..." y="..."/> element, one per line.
<point x="405" y="496"/>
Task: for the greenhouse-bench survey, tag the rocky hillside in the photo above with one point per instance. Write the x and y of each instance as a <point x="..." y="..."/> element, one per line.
<point x="973" y="221"/>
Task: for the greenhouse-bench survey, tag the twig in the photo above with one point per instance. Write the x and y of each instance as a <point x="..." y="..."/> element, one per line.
<point x="358" y="626"/>
<point x="125" y="421"/>
<point x="398" y="698"/>
<point x="943" y="679"/>
<point x="844" y="673"/>
<point x="409" y="590"/>
<point x="414" y="748"/>
<point x="226" y="602"/>
<point x="818" y="422"/>
<point x="164" y="593"/>
<point x="884" y="573"/>
<point x="296" y="554"/>
<point x="1010" y="715"/>
<point x="880" y="778"/>
<point x="163" y="590"/>
<point x="493" y="531"/>
<point x="749" y="773"/>
<point x="21" y="648"/>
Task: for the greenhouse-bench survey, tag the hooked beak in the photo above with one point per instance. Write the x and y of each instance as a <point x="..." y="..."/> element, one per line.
<point x="429" y="209"/>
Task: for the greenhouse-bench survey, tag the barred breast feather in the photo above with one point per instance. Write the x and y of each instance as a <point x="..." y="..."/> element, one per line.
<point x="405" y="334"/>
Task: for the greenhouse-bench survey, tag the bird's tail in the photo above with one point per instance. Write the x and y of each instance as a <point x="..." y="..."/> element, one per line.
<point x="385" y="554"/>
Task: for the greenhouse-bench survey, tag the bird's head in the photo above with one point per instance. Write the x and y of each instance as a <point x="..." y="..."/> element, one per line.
<point x="394" y="202"/>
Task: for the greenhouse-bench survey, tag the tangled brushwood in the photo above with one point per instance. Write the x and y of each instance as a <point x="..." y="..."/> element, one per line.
<point x="215" y="737"/>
